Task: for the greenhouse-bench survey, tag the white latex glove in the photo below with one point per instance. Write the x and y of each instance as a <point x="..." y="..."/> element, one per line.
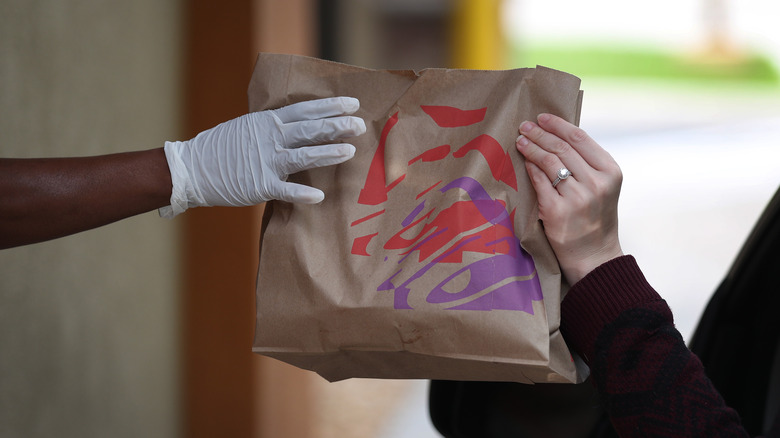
<point x="246" y="161"/>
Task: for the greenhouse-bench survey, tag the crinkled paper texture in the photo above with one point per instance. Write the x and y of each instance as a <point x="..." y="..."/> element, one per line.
<point x="426" y="259"/>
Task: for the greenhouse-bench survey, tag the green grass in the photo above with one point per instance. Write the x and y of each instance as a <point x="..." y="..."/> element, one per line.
<point x="643" y="63"/>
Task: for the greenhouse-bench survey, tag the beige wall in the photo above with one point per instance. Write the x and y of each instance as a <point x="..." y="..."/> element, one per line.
<point x="88" y="334"/>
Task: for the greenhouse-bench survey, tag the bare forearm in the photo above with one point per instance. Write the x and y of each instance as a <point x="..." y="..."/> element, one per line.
<point x="42" y="199"/>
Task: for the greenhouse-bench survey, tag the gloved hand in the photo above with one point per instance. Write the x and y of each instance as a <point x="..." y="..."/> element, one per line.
<point x="246" y="161"/>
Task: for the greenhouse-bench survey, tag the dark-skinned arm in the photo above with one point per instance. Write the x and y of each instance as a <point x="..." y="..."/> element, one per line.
<point x="46" y="198"/>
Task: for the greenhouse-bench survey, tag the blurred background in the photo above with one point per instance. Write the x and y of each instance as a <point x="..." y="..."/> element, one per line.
<point x="144" y="327"/>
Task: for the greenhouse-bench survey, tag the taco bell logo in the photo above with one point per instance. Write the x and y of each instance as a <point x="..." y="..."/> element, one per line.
<point x="469" y="246"/>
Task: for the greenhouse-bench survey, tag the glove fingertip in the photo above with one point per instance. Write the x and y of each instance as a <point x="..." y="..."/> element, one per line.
<point x="313" y="196"/>
<point x="350" y="104"/>
<point x="347" y="151"/>
<point x="317" y="198"/>
<point x="360" y="127"/>
<point x="301" y="194"/>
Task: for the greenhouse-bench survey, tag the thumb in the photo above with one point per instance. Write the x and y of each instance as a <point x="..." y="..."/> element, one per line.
<point x="297" y="193"/>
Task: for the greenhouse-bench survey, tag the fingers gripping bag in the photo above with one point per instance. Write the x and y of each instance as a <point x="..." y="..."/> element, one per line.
<point x="426" y="260"/>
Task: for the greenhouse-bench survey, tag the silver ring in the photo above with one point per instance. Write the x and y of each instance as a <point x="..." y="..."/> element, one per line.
<point x="563" y="173"/>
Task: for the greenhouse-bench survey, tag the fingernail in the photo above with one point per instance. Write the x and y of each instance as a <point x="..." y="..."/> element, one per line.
<point x="522" y="141"/>
<point x="543" y="117"/>
<point x="526" y="127"/>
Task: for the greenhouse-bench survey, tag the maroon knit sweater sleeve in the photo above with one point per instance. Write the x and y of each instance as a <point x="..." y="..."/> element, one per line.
<point x="649" y="381"/>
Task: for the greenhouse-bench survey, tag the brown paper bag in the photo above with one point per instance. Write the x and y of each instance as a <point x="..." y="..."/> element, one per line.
<point x="426" y="259"/>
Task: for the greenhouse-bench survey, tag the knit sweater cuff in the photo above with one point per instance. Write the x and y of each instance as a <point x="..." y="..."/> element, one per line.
<point x="599" y="298"/>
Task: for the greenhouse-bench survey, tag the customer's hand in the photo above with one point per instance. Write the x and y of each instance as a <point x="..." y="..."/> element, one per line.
<point x="247" y="160"/>
<point x="579" y="214"/>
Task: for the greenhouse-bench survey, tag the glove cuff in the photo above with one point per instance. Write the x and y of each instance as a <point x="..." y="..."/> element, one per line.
<point x="183" y="194"/>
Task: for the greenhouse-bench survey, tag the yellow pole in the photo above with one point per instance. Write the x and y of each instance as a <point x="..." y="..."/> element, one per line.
<point x="476" y="40"/>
